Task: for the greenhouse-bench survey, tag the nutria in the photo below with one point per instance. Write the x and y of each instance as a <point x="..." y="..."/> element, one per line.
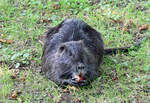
<point x="73" y="52"/>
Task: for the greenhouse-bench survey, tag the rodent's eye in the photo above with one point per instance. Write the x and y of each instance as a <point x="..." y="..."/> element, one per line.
<point x="61" y="48"/>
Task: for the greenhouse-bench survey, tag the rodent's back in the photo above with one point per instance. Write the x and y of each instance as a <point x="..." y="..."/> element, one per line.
<point x="69" y="33"/>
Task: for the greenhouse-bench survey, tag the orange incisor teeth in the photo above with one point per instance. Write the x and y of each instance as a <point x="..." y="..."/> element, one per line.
<point x="78" y="78"/>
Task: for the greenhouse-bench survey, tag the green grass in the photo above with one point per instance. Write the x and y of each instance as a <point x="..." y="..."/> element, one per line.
<point x="125" y="78"/>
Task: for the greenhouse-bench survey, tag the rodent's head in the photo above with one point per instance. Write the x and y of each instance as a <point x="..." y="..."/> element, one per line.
<point x="73" y="64"/>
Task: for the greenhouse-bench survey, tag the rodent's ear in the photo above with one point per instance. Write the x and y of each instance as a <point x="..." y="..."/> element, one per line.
<point x="81" y="42"/>
<point x="52" y="30"/>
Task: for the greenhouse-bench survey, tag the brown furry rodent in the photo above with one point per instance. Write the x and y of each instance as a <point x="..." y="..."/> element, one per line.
<point x="73" y="52"/>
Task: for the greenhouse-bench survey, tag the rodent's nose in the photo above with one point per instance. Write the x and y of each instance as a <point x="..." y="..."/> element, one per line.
<point x="80" y="66"/>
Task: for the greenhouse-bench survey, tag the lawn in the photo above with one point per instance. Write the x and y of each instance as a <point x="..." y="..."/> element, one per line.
<point x="125" y="77"/>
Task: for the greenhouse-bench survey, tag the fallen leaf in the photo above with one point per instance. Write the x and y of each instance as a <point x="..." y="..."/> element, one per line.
<point x="1" y="40"/>
<point x="124" y="29"/>
<point x="115" y="78"/>
<point x="45" y="21"/>
<point x="13" y="73"/>
<point x="42" y="36"/>
<point x="6" y="41"/>
<point x="55" y="6"/>
<point x="41" y="39"/>
<point x="116" y="21"/>
<point x="22" y="79"/>
<point x="144" y="27"/>
<point x="127" y="25"/>
<point x="73" y="88"/>
<point x="14" y="95"/>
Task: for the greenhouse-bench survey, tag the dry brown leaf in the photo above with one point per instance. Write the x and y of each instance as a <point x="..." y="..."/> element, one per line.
<point x="45" y="21"/>
<point x="13" y="73"/>
<point x="73" y="88"/>
<point x="124" y="29"/>
<point x="116" y="21"/>
<point x="55" y="6"/>
<point x="118" y="28"/>
<point x="2" y="40"/>
<point x="144" y="27"/>
<point x="23" y="79"/>
<point x="115" y="78"/>
<point x="14" y="95"/>
<point x="6" y="41"/>
<point x="127" y="25"/>
<point x="42" y="36"/>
